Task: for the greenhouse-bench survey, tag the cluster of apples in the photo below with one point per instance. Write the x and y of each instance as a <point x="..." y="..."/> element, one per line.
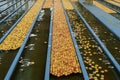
<point x="15" y="39"/>
<point x="63" y="57"/>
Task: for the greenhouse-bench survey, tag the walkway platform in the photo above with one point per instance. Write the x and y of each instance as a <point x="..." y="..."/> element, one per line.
<point x="112" y="23"/>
